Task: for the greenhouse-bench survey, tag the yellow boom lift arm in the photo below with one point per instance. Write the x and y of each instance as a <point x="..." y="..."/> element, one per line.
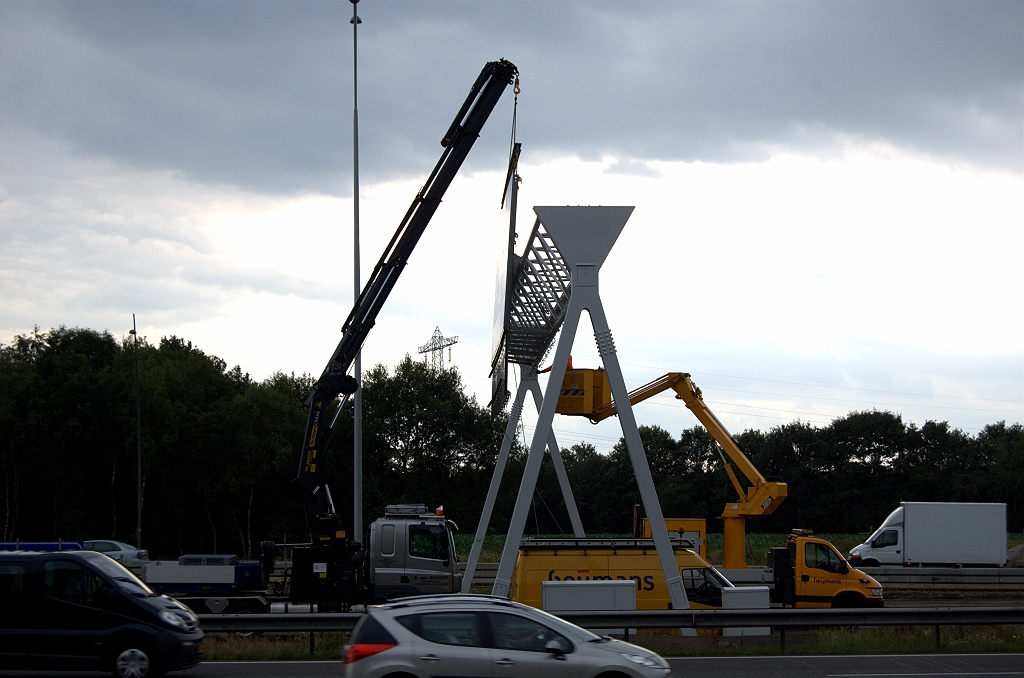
<point x="586" y="393"/>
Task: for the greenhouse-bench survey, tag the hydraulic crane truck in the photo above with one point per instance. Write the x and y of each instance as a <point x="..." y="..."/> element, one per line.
<point x="334" y="569"/>
<point x="585" y="393"/>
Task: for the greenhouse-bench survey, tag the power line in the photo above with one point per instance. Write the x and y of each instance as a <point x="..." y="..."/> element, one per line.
<point x="801" y="383"/>
<point x="862" y="402"/>
<point x="844" y="388"/>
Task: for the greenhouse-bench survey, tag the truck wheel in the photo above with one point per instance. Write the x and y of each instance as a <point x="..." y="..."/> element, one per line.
<point x="870" y="562"/>
<point x="135" y="661"/>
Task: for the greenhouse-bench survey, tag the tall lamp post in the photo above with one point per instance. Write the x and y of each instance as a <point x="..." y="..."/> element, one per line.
<point x="138" y="439"/>
<point x="357" y="427"/>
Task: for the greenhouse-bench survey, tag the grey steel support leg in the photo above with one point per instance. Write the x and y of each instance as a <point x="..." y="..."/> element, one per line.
<point x="503" y="580"/>
<point x="556" y="460"/>
<point x="642" y="470"/>
<point x="492" y="491"/>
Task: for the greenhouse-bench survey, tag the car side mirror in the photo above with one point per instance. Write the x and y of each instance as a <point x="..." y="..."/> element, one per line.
<point x="844" y="568"/>
<point x="104" y="595"/>
<point x="554" y="648"/>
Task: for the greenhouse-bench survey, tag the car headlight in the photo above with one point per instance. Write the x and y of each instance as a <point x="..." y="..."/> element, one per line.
<point x="186" y="611"/>
<point x="172" y="619"/>
<point x="876" y="592"/>
<point x="641" y="660"/>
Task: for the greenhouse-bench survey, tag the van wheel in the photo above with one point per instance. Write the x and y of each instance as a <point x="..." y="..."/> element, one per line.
<point x="870" y="562"/>
<point x="133" y="662"/>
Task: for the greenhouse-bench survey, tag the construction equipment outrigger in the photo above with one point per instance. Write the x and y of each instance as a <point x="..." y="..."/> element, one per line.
<point x="586" y="393"/>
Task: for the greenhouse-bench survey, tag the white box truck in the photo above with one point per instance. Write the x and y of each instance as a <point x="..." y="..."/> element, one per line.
<point x="937" y="533"/>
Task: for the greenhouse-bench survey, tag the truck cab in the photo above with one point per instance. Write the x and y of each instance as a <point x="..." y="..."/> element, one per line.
<point x="884" y="546"/>
<point x="412" y="553"/>
<point x="810" y="573"/>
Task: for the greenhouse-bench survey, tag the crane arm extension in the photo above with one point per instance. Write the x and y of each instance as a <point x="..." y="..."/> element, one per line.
<point x="688" y="392"/>
<point x="662" y="383"/>
<point x="335" y="380"/>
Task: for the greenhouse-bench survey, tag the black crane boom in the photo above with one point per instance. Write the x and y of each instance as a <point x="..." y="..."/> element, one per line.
<point x="335" y="380"/>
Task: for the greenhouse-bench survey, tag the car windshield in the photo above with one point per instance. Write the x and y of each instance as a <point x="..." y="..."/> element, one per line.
<point x="568" y="629"/>
<point x="122" y="576"/>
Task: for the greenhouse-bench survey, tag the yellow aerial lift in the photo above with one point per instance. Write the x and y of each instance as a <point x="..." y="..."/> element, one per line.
<point x="586" y="393"/>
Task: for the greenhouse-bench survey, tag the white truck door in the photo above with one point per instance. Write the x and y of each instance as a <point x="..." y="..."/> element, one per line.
<point x="887" y="547"/>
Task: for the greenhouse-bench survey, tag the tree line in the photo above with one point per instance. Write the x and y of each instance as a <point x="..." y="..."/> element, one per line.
<point x="220" y="451"/>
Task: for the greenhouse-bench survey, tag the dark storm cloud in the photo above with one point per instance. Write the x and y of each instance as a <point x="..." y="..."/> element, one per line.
<point x="259" y="94"/>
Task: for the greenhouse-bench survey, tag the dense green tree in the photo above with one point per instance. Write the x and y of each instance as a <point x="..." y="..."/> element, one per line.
<point x="424" y="441"/>
<point x="220" y="453"/>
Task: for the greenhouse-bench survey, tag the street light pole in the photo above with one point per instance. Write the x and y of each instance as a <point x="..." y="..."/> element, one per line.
<point x="138" y="439"/>
<point x="357" y="442"/>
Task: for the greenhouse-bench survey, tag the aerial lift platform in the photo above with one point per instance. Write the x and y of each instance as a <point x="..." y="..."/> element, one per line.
<point x="585" y="393"/>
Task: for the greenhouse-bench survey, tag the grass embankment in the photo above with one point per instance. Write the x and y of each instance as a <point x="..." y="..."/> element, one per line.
<point x="853" y="641"/>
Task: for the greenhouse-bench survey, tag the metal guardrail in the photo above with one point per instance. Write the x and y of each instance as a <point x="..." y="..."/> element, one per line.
<point x="778" y="618"/>
<point x="782" y="618"/>
<point x="948" y="577"/>
<point x="282" y="623"/>
<point x="888" y="576"/>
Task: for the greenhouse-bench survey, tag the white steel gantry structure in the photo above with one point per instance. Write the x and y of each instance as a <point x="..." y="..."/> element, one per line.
<point x="556" y="280"/>
<point x="538" y="299"/>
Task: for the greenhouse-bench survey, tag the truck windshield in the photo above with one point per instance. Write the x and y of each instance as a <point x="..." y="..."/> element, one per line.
<point x="429" y="541"/>
<point x="122" y="576"/>
<point x="704" y="585"/>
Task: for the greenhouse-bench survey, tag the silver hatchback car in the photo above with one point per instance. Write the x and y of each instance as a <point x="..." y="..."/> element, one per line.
<point x="488" y="637"/>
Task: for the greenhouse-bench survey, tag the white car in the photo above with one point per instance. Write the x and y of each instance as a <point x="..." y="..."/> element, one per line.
<point x="460" y="635"/>
<point x="126" y="554"/>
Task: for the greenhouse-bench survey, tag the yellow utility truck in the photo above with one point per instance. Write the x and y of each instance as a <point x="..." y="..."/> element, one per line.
<point x="585" y="393"/>
<point x="542" y="560"/>
<point x="809" y="572"/>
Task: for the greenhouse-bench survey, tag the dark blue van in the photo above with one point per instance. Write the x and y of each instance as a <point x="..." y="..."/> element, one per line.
<point x="81" y="610"/>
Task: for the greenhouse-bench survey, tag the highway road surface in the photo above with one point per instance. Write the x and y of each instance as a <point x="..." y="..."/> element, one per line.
<point x="815" y="666"/>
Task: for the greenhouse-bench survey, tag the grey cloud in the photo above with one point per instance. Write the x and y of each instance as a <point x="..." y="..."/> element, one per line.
<point x="259" y="94"/>
<point x="80" y="240"/>
<point x="634" y="167"/>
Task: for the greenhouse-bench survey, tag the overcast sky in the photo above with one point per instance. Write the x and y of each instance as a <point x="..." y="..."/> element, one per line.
<point x="830" y="195"/>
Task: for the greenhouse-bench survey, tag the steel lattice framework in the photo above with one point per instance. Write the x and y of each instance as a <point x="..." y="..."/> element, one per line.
<point x="539" y="299"/>
<point x="435" y="347"/>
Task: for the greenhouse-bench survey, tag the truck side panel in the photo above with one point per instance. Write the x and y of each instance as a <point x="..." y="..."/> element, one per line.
<point x="954" y="534"/>
<point x="642" y="568"/>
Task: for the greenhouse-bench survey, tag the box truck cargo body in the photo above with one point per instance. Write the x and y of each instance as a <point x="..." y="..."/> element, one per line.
<point x="937" y="533"/>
